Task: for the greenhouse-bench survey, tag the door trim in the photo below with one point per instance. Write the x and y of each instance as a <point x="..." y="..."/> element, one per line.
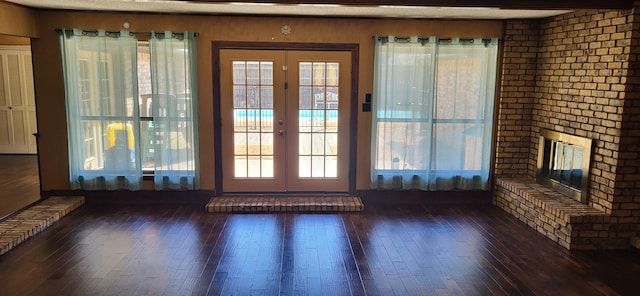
<point x="216" y="46"/>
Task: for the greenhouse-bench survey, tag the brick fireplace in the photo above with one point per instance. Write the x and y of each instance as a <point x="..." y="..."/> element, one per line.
<point x="576" y="74"/>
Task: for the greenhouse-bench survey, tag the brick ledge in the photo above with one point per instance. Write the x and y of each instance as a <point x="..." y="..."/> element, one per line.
<point x="563" y="207"/>
<point x="16" y="229"/>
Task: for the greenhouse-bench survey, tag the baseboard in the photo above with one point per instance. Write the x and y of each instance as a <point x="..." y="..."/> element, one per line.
<point x="202" y="197"/>
<point x="411" y="197"/>
<point x="142" y="197"/>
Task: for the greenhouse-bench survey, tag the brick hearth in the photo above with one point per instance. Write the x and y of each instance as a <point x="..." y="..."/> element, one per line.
<point x="571" y="224"/>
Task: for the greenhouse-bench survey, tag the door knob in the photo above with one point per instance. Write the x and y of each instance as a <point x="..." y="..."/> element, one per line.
<point x="281" y="132"/>
<point x="280" y="122"/>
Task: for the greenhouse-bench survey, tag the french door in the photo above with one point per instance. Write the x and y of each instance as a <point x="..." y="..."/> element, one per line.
<point x="285" y="120"/>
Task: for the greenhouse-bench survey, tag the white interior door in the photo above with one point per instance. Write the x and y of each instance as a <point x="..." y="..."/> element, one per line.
<point x="17" y="102"/>
<point x="285" y="120"/>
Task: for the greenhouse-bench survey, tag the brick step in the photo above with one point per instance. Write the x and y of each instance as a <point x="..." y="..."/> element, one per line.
<point x="271" y="203"/>
<point x="17" y="228"/>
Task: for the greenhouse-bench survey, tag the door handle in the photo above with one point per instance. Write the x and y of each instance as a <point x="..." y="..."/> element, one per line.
<point x="281" y="132"/>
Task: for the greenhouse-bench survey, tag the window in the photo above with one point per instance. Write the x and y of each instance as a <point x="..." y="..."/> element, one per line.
<point x="130" y="109"/>
<point x="432" y="120"/>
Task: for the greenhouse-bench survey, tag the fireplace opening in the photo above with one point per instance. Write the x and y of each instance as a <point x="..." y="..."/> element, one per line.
<point x="563" y="163"/>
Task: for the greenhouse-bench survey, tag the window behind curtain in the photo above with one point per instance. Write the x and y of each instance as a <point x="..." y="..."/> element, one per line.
<point x="114" y="128"/>
<point x="433" y="103"/>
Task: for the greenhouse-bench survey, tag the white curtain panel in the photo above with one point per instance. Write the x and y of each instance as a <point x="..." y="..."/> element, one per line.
<point x="433" y="113"/>
<point x="175" y="109"/>
<point x="102" y="113"/>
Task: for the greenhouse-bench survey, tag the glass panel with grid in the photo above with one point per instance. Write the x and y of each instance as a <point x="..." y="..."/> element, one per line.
<point x="253" y="119"/>
<point x="318" y="120"/>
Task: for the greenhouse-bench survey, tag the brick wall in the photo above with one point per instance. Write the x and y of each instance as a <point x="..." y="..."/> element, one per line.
<point x="626" y="192"/>
<point x="580" y="87"/>
<point x="144" y="70"/>
<point x="586" y="82"/>
<point x="516" y="99"/>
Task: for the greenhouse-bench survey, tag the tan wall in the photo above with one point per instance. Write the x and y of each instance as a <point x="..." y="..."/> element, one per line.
<point x="17" y="20"/>
<point x="49" y="81"/>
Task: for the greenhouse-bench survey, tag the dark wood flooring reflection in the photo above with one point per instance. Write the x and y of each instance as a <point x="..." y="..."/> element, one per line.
<point x="19" y="182"/>
<point x="407" y="250"/>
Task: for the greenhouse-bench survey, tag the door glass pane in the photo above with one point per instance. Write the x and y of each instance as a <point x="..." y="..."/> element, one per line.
<point x="331" y="166"/>
<point x="305" y="166"/>
<point x="318" y="119"/>
<point x="253" y="119"/>
<point x="240" y="166"/>
<point x="267" y="166"/>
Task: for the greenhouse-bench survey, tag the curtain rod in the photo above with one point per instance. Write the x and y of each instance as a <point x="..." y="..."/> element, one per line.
<point x="427" y="39"/>
<point x="131" y="33"/>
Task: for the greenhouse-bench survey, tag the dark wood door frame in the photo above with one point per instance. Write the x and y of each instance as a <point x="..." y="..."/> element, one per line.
<point x="217" y="46"/>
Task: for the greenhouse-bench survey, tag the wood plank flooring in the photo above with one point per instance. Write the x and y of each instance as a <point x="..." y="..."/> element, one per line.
<point x="404" y="250"/>
<point x="19" y="182"/>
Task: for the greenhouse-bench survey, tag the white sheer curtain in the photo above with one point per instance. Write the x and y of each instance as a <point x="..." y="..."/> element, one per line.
<point x="433" y="109"/>
<point x="175" y="109"/>
<point x="101" y="88"/>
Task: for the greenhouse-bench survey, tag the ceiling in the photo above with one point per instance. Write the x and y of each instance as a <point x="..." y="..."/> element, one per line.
<point x="468" y="9"/>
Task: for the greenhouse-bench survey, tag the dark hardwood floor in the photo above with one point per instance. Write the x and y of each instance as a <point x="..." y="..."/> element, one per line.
<point x="19" y="182"/>
<point x="404" y="248"/>
<point x="407" y="250"/>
